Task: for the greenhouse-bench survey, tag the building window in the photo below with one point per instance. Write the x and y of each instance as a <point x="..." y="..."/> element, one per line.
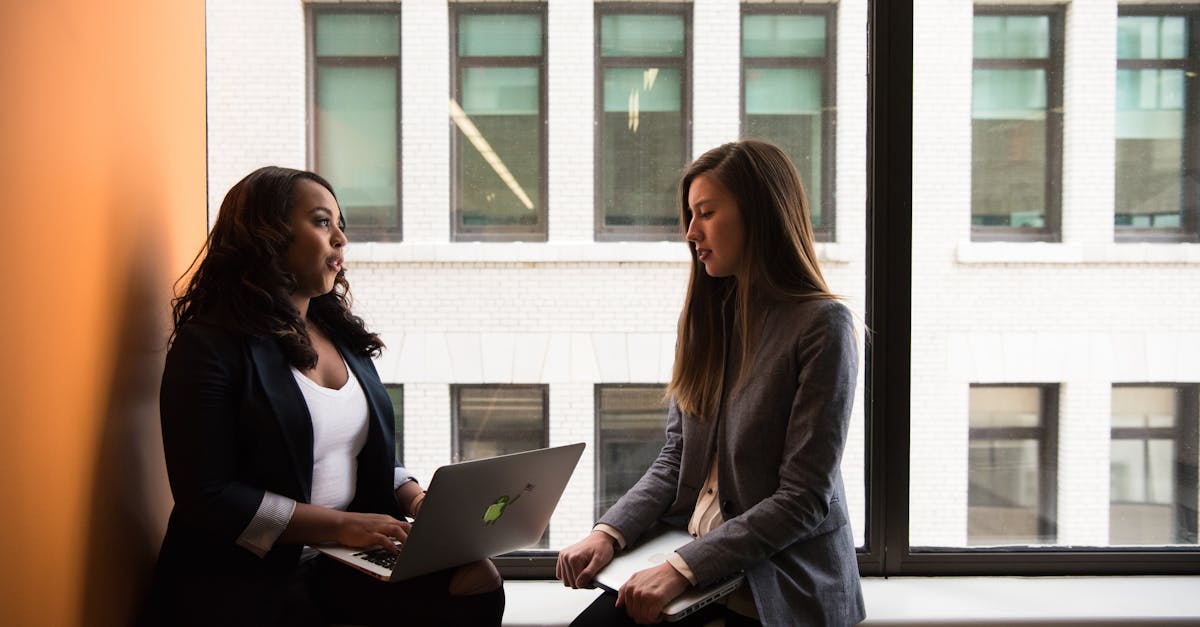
<point x="1016" y="125"/>
<point x="630" y="431"/>
<point x="396" y="394"/>
<point x="356" y="115"/>
<point x="498" y="109"/>
<point x="490" y="420"/>
<point x="1011" y="465"/>
<point x="1157" y="126"/>
<point x="1154" y="455"/>
<point x="643" y="119"/>
<point x="788" y="94"/>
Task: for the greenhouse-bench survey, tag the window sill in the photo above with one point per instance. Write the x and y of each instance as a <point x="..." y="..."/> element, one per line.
<point x="553" y="252"/>
<point x="1057" y="253"/>
<point x="997" y="601"/>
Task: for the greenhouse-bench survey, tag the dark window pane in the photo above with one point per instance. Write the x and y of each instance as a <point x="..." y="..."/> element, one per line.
<point x="396" y="394"/>
<point x="643" y="146"/>
<point x="497" y="420"/>
<point x="501" y="145"/>
<point x="630" y="424"/>
<point x="1008" y="148"/>
<point x="783" y="106"/>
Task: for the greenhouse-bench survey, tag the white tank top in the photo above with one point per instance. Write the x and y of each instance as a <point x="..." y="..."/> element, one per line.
<point x="339" y="424"/>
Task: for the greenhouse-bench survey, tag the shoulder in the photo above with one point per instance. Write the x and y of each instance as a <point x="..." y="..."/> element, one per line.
<point x="196" y="339"/>
<point x="815" y="316"/>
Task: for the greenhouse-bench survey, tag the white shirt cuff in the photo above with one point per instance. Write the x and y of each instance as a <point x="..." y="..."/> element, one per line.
<point x="676" y="561"/>
<point x="612" y="531"/>
<point x="401" y="476"/>
<point x="273" y="515"/>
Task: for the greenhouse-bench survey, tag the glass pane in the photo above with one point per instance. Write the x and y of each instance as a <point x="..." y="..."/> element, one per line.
<point x="356" y="141"/>
<point x="1008" y="148"/>
<point x="643" y="146"/>
<point x="497" y="420"/>
<point x="500" y="138"/>
<point x="501" y="35"/>
<point x="1142" y="407"/>
<point x="1151" y="37"/>
<point x="783" y="36"/>
<point x="355" y="35"/>
<point x="1150" y="148"/>
<point x="997" y="407"/>
<point x="783" y="106"/>
<point x="396" y="394"/>
<point x="1012" y="36"/>
<point x="641" y="36"/>
<point x="630" y="424"/>
<point x="1003" y="495"/>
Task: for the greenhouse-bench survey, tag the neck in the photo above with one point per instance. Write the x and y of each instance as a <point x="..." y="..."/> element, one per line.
<point x="301" y="303"/>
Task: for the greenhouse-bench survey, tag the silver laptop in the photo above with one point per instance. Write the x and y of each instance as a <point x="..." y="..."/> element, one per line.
<point x="474" y="510"/>
<point x="653" y="550"/>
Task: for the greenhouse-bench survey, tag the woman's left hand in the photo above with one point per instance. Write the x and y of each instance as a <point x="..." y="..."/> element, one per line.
<point x="648" y="591"/>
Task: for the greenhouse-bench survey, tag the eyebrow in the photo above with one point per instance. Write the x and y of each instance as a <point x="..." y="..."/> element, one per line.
<point x="341" y="220"/>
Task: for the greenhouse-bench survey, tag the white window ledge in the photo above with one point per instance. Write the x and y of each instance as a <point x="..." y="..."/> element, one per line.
<point x="1059" y="253"/>
<point x="551" y="252"/>
<point x="1025" y="601"/>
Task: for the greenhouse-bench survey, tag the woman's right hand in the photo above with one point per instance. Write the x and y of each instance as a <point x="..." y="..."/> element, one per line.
<point x="578" y="564"/>
<point x="366" y="530"/>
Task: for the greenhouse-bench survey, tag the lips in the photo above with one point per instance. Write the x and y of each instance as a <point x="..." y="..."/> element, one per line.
<point x="703" y="253"/>
<point x="335" y="263"/>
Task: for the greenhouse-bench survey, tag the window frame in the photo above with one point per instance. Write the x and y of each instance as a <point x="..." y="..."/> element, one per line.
<point x="397" y="417"/>
<point x="827" y="231"/>
<point x="603" y="232"/>
<point x="1189" y="218"/>
<point x="1053" y="67"/>
<point x="315" y="62"/>
<point x="497" y="233"/>
<point x="1185" y="430"/>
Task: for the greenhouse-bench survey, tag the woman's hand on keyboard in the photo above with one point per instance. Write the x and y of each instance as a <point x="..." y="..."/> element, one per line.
<point x="367" y="530"/>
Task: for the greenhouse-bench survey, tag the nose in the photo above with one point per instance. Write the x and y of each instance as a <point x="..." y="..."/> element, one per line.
<point x="339" y="237"/>
<point x="693" y="232"/>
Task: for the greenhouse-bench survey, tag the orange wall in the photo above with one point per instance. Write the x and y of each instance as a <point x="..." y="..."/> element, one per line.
<point x="102" y="165"/>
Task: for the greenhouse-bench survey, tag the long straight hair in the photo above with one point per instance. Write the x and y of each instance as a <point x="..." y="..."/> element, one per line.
<point x="238" y="282"/>
<point x="779" y="264"/>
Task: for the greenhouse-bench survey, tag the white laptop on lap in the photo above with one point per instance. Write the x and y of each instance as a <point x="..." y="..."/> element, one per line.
<point x="652" y="550"/>
<point x="474" y="510"/>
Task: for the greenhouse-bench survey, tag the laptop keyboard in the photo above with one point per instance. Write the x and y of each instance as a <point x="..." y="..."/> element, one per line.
<point x="382" y="557"/>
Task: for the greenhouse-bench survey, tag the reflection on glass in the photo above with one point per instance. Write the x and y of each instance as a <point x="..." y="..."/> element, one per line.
<point x="499" y="419"/>
<point x="630" y="423"/>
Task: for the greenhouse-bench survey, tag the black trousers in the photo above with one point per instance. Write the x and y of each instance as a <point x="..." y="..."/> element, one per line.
<point x="324" y="591"/>
<point x="603" y="612"/>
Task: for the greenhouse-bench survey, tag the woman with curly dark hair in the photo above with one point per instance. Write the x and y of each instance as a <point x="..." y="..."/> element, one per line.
<point x="278" y="437"/>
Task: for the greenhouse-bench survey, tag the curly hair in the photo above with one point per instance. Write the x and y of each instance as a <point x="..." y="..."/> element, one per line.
<point x="238" y="282"/>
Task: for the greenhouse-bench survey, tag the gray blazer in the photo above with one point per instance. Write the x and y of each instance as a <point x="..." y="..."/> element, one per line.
<point x="780" y="440"/>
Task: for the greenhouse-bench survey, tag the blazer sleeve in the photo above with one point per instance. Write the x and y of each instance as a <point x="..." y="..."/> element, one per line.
<point x="651" y="497"/>
<point x="809" y="476"/>
<point x="199" y="398"/>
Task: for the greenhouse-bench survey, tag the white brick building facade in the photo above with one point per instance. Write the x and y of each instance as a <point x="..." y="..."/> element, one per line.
<point x="573" y="313"/>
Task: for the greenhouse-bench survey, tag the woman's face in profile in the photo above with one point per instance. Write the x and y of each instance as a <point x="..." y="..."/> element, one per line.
<point x="315" y="255"/>
<point x="715" y="228"/>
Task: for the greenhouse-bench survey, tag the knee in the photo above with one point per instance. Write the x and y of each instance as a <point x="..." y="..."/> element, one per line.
<point x="475" y="578"/>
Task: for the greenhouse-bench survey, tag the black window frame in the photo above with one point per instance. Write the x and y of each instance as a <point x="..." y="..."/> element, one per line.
<point x="827" y="231"/>
<point x="1189" y="219"/>
<point x="460" y="232"/>
<point x="1053" y="67"/>
<point x="1184" y="435"/>
<point x="604" y="232"/>
<point x="887" y="394"/>
<point x="395" y="393"/>
<point x="315" y="62"/>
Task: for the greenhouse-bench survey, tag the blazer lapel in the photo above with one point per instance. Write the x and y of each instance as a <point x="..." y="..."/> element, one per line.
<point x="287" y="403"/>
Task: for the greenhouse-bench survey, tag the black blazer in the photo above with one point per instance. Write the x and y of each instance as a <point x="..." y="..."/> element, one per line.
<point x="235" y="424"/>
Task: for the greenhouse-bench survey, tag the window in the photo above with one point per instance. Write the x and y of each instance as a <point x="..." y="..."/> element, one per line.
<point x="630" y="423"/>
<point x="356" y="116"/>
<point x="642" y="119"/>
<point x="1153" y="491"/>
<point x="1016" y="119"/>
<point x="1011" y="465"/>
<point x="492" y="420"/>
<point x="788" y="95"/>
<point x="1158" y="125"/>
<point x="396" y="394"/>
<point x="498" y="110"/>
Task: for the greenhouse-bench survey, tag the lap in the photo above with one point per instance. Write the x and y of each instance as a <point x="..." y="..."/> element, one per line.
<point x="603" y="612"/>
